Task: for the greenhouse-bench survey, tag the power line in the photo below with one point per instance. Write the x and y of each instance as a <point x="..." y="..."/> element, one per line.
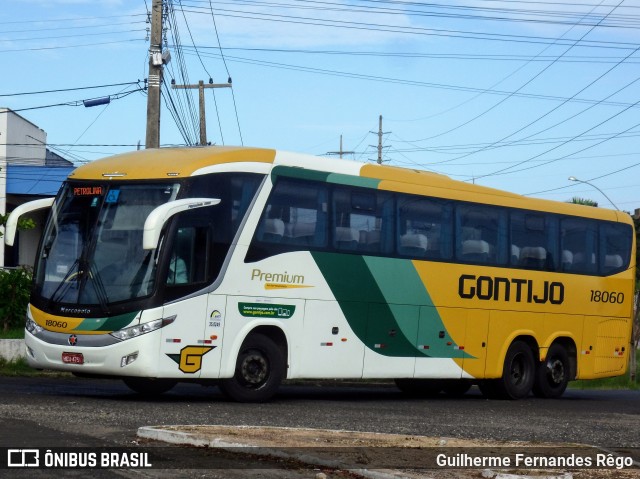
<point x="73" y="103"/>
<point x="224" y="61"/>
<point x="59" y="90"/>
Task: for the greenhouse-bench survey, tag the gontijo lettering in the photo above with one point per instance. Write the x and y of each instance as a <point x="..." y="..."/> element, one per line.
<point x="489" y="288"/>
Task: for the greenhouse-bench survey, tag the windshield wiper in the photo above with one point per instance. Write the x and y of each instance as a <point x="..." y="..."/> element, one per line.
<point x="63" y="283"/>
<point x="98" y="286"/>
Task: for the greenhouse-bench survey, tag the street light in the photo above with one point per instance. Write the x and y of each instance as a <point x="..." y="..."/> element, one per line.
<point x="573" y="178"/>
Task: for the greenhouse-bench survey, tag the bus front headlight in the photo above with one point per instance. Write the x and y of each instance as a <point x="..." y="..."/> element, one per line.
<point x="140" y="329"/>
<point x="33" y="327"/>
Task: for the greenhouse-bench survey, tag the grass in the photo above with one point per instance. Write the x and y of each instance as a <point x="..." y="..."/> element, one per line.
<point x="14" y="333"/>
<point x="619" y="382"/>
<point x="17" y="367"/>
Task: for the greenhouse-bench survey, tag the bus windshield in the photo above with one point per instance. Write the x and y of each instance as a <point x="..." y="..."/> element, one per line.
<point x="91" y="252"/>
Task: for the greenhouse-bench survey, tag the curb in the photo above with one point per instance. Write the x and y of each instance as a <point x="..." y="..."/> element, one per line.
<point x="200" y="440"/>
<point x="12" y="349"/>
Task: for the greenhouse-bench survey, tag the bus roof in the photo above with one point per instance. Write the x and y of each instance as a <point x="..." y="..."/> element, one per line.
<point x="183" y="162"/>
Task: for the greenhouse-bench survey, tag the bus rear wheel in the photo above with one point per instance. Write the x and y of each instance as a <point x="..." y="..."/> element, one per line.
<point x="260" y="368"/>
<point x="149" y="386"/>
<point x="552" y="375"/>
<point x="518" y="374"/>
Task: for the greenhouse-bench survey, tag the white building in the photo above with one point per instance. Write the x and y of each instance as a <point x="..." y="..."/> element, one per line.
<point x="27" y="171"/>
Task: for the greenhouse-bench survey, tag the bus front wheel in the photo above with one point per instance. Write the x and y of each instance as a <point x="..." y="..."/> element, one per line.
<point x="260" y="368"/>
<point x="552" y="375"/>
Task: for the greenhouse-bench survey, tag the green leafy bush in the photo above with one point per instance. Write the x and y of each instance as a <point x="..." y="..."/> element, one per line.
<point x="15" y="287"/>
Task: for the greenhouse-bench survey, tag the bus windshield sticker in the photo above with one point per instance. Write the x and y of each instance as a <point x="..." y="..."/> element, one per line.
<point x="112" y="196"/>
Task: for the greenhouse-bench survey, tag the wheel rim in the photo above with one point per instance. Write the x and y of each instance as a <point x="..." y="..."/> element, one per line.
<point x="254" y="369"/>
<point x="518" y="370"/>
<point x="555" y="371"/>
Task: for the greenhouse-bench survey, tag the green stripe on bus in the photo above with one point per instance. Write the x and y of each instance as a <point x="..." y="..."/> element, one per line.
<point x="106" y="324"/>
<point x="387" y="307"/>
<point x="323" y="176"/>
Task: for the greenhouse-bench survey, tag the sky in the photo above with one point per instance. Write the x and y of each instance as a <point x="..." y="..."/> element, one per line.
<point x="514" y="94"/>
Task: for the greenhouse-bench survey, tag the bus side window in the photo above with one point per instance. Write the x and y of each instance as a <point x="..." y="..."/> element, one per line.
<point x="189" y="258"/>
<point x="294" y="219"/>
<point x="578" y="238"/>
<point x="362" y="220"/>
<point x="533" y="240"/>
<point x="615" y="245"/>
<point x="481" y="234"/>
<point x="424" y="227"/>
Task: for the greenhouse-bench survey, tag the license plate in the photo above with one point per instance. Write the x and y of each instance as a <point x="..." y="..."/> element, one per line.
<point x="72" y="358"/>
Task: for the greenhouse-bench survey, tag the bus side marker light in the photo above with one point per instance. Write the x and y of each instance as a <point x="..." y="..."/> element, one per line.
<point x="423" y="346"/>
<point x="461" y="348"/>
<point x="344" y="340"/>
<point x="379" y="346"/>
<point x="586" y="352"/>
<point x="326" y="344"/>
<point x="214" y="336"/>
<point x="174" y="340"/>
<point x="204" y="341"/>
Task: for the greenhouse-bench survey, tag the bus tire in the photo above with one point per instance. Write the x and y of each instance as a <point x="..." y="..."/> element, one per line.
<point x="518" y="374"/>
<point x="455" y="387"/>
<point x="419" y="387"/>
<point x="489" y="388"/>
<point x="260" y="368"/>
<point x="149" y="386"/>
<point x="552" y="375"/>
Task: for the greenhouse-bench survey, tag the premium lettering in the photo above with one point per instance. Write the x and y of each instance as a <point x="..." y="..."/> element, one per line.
<point x="277" y="277"/>
<point x="490" y="288"/>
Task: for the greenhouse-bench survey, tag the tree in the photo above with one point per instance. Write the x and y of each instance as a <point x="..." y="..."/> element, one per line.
<point x="583" y="201"/>
<point x="15" y="285"/>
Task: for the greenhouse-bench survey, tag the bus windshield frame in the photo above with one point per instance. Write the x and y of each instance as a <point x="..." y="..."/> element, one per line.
<point x="91" y="253"/>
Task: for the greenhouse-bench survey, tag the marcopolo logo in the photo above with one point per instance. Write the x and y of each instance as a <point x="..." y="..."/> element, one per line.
<point x="488" y="288"/>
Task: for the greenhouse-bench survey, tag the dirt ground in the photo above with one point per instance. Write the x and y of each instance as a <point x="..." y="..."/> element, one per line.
<point x="358" y="454"/>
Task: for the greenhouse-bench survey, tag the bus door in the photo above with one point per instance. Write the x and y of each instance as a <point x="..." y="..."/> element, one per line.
<point x="188" y="349"/>
<point x="183" y="344"/>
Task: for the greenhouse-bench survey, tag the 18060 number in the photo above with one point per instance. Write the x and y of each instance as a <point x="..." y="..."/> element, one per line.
<point x="612" y="297"/>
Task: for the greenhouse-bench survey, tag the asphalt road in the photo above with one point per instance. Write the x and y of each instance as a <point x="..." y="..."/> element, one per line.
<point x="70" y="412"/>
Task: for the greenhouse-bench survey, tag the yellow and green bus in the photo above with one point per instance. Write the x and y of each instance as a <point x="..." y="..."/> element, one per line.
<point x="247" y="266"/>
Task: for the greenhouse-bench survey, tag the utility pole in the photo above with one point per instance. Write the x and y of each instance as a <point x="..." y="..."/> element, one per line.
<point x="203" y="120"/>
<point x="380" y="133"/>
<point x="341" y="152"/>
<point x="155" y="77"/>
